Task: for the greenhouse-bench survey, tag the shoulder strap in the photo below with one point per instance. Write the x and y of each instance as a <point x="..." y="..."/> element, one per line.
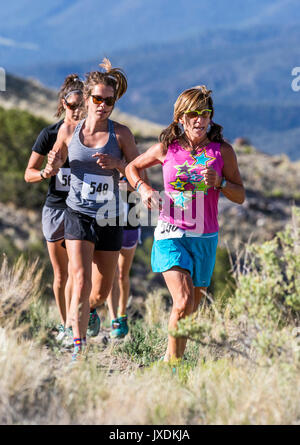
<point x="78" y="126"/>
<point x="111" y="129"/>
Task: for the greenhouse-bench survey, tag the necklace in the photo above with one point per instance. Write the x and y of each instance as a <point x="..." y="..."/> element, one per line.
<point x="196" y="147"/>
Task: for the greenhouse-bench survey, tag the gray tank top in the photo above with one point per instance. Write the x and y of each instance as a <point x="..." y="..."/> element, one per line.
<point x="94" y="191"/>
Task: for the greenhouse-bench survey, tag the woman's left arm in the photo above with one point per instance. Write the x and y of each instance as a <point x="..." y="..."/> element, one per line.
<point x="234" y="188"/>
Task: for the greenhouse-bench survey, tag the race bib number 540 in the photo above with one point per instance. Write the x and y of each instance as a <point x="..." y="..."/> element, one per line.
<point x="165" y="230"/>
<point x="97" y="188"/>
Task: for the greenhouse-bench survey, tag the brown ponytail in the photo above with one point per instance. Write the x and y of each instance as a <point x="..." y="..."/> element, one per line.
<point x="215" y="133"/>
<point x="170" y="134"/>
<point x="71" y="83"/>
<point x="113" y="77"/>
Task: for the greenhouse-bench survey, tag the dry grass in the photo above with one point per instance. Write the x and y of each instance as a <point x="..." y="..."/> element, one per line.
<point x="214" y="386"/>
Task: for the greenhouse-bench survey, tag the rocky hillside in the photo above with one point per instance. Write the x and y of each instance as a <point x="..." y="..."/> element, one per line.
<point x="272" y="186"/>
<point x="32" y="96"/>
<point x="272" y="182"/>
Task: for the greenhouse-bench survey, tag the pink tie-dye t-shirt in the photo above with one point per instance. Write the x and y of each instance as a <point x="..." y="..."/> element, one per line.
<point x="188" y="203"/>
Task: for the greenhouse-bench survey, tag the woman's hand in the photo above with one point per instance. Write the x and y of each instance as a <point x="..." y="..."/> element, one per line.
<point x="50" y="171"/>
<point x="211" y="177"/>
<point x="55" y="160"/>
<point x="150" y="198"/>
<point x="107" y="161"/>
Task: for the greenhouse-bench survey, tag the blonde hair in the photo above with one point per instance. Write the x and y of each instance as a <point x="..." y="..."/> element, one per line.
<point x="194" y="98"/>
<point x="72" y="83"/>
<point x="113" y="77"/>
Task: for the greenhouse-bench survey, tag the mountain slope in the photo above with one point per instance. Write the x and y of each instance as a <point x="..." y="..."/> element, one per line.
<point x="272" y="182"/>
<point x="249" y="72"/>
<point x="35" y="98"/>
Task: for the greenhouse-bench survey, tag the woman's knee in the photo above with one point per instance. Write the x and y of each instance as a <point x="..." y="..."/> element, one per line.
<point x="123" y="277"/>
<point x="81" y="279"/>
<point x="183" y="306"/>
<point x="60" y="276"/>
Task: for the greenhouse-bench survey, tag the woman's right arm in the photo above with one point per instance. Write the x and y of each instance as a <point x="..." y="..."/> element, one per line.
<point x="153" y="156"/>
<point x="59" y="153"/>
<point x="33" y="169"/>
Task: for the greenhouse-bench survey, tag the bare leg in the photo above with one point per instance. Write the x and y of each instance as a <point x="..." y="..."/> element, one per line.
<point x="113" y="297"/>
<point x="125" y="262"/>
<point x="81" y="255"/>
<point x="103" y="272"/>
<point x="68" y="296"/>
<point x="59" y="260"/>
<point x="199" y="294"/>
<point x="119" y="294"/>
<point x="181" y="288"/>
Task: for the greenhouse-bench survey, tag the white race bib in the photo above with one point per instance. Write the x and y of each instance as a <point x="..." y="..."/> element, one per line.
<point x="97" y="187"/>
<point x="63" y="179"/>
<point x="165" y="230"/>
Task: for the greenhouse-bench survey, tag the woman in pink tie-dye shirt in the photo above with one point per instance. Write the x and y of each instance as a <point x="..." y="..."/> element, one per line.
<point x="197" y="165"/>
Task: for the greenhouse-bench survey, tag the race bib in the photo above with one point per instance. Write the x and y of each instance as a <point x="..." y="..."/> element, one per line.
<point x="97" y="187"/>
<point x="63" y="179"/>
<point x="165" y="230"/>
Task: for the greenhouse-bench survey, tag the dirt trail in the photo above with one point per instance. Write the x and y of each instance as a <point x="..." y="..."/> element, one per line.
<point x="102" y="350"/>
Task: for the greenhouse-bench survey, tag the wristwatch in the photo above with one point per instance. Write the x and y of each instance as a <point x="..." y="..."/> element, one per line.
<point x="41" y="173"/>
<point x="222" y="185"/>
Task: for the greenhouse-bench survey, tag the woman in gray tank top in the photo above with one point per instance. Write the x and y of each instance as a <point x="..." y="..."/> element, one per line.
<point x="96" y="151"/>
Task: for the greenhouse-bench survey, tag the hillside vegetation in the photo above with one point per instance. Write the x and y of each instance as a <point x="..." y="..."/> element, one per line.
<point x="272" y="186"/>
<point x="242" y="361"/>
<point x="241" y="366"/>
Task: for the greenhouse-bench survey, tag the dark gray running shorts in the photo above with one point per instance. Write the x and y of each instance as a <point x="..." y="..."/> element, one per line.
<point x="79" y="226"/>
<point x="53" y="224"/>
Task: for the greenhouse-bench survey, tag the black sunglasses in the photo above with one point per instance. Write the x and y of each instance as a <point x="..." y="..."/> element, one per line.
<point x="73" y="106"/>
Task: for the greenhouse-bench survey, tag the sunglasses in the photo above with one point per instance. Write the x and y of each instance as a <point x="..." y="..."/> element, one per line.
<point x="195" y="113"/>
<point x="73" y="106"/>
<point x="109" y="101"/>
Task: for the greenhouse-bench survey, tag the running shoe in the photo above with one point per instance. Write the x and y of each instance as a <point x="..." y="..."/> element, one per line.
<point x="94" y="324"/>
<point x="61" y="332"/>
<point x="119" y="327"/>
<point x="77" y="356"/>
<point x="67" y="341"/>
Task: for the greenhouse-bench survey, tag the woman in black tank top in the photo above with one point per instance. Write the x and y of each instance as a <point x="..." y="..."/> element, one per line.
<point x="70" y="101"/>
<point x="93" y="248"/>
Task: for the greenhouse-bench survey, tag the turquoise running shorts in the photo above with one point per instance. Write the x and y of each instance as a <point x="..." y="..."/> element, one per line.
<point x="196" y="254"/>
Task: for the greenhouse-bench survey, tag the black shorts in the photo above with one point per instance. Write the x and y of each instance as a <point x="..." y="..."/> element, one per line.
<point x="79" y="226"/>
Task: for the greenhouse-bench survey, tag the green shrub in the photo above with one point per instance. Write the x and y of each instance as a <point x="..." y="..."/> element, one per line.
<point x="19" y="131"/>
<point x="268" y="282"/>
<point x="222" y="283"/>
